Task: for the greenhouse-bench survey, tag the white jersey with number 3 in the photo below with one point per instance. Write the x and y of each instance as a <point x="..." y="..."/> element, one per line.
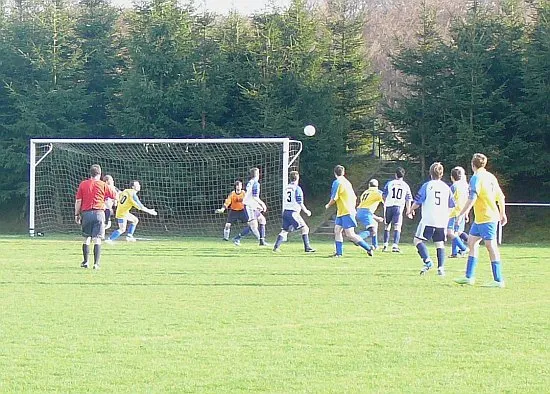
<point x="293" y="198"/>
<point x="396" y="193"/>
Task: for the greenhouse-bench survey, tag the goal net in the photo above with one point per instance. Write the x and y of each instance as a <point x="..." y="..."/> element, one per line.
<point x="184" y="180"/>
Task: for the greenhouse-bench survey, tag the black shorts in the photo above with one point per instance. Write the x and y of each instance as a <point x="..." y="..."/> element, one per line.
<point x="237" y="216"/>
<point x="93" y="223"/>
<point x="425" y="233"/>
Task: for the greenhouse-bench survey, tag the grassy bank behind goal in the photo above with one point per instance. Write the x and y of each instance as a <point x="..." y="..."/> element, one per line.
<point x="200" y="315"/>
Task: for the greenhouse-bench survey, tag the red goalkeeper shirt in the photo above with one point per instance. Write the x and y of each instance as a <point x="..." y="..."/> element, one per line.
<point x="93" y="194"/>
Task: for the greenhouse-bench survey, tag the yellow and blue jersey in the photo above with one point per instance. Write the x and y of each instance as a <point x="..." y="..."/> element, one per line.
<point x="342" y="192"/>
<point x="486" y="192"/>
<point x="127" y="200"/>
<point x="460" y="196"/>
<point x="371" y="198"/>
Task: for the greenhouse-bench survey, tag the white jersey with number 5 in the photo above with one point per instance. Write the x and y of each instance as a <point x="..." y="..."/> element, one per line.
<point x="293" y="199"/>
<point x="252" y="192"/>
<point x="436" y="199"/>
<point x="396" y="192"/>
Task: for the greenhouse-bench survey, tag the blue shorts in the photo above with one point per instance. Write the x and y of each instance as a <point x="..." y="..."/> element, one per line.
<point x="393" y="215"/>
<point x="456" y="226"/>
<point x="345" y="221"/>
<point x="292" y="220"/>
<point x="487" y="231"/>
<point x="365" y="217"/>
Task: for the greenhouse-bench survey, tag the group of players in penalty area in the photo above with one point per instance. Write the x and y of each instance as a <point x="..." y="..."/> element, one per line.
<point x="444" y="212"/>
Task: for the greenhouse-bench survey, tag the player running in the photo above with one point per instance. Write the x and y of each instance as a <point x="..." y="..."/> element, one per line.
<point x="343" y="196"/>
<point x="127" y="200"/>
<point x="397" y="196"/>
<point x="292" y="220"/>
<point x="435" y="198"/>
<point x="368" y="204"/>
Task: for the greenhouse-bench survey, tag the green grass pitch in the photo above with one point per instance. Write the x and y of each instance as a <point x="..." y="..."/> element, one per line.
<point x="192" y="315"/>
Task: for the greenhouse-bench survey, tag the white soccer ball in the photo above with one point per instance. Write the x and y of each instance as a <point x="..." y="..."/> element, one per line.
<point x="309" y="130"/>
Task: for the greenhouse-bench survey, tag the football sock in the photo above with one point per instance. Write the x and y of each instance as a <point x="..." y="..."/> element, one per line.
<point x="364" y="234"/>
<point x="131" y="229"/>
<point x="497" y="274"/>
<point x="261" y="230"/>
<point x="440" y="257"/>
<point x="460" y="244"/>
<point x="374" y="240"/>
<point x="115" y="235"/>
<point x="85" y="252"/>
<point x="278" y="242"/>
<point x="107" y="215"/>
<point x="464" y="237"/>
<point x="97" y="254"/>
<point x="305" y="238"/>
<point x="339" y="247"/>
<point x="386" y="236"/>
<point x="454" y="247"/>
<point x="471" y="266"/>
<point x="396" y="237"/>
<point x="243" y="233"/>
<point x="364" y="245"/>
<point x="423" y="251"/>
<point x="226" y="233"/>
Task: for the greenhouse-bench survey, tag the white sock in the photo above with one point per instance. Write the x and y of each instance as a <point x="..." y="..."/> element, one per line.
<point x="226" y="232"/>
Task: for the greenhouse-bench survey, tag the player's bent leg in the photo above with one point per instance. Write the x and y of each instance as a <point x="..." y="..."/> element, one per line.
<point x="357" y="240"/>
<point x="280" y="239"/>
<point x="469" y="277"/>
<point x="261" y="229"/>
<point x="133" y="220"/>
<point x="305" y="239"/>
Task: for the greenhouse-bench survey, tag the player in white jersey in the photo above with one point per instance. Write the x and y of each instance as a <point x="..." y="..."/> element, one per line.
<point x="254" y="207"/>
<point x="397" y="196"/>
<point x="293" y="204"/>
<point x="436" y="199"/>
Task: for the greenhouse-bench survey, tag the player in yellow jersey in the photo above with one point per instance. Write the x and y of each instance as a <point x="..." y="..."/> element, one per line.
<point x="127" y="200"/>
<point x="369" y="201"/>
<point x="487" y="199"/>
<point x="343" y="196"/>
<point x="237" y="213"/>
<point x="455" y="228"/>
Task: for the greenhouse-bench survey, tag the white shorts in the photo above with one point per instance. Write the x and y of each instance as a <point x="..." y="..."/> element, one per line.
<point x="252" y="213"/>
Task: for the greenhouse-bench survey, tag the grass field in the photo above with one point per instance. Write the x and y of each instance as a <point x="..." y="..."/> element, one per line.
<point x="195" y="315"/>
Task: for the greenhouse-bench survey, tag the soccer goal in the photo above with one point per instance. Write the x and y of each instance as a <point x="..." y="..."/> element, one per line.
<point x="185" y="180"/>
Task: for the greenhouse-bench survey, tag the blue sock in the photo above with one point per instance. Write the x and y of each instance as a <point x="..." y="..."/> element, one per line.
<point x="364" y="234"/>
<point x="460" y="244"/>
<point x="471" y="266"/>
<point x="131" y="229"/>
<point x="386" y="236"/>
<point x="423" y="251"/>
<point x="396" y="237"/>
<point x="305" y="238"/>
<point x="440" y="257"/>
<point x="454" y="247"/>
<point x="497" y="274"/>
<point x="464" y="237"/>
<point x="278" y="242"/>
<point x="339" y="248"/>
<point x="261" y="229"/>
<point x="374" y="240"/>
<point x="243" y="233"/>
<point x="115" y="235"/>
<point x="364" y="245"/>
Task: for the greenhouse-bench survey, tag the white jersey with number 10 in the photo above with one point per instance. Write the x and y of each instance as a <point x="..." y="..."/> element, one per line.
<point x="397" y="192"/>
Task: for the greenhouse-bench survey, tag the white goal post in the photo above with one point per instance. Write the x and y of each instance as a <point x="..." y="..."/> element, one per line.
<point x="517" y="204"/>
<point x="185" y="180"/>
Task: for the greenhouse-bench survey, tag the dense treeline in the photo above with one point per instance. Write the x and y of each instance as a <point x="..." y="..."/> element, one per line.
<point x="486" y="88"/>
<point x="162" y="69"/>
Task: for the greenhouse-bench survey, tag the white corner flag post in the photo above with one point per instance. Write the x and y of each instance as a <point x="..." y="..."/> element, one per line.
<point x="183" y="179"/>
